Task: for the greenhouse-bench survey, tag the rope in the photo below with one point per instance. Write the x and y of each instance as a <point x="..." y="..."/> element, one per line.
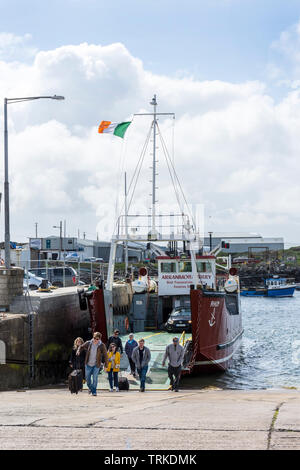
<point x="176" y="178"/>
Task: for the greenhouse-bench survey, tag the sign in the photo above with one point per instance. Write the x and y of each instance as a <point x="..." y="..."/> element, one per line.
<point x="36" y="243"/>
<point x="179" y="283"/>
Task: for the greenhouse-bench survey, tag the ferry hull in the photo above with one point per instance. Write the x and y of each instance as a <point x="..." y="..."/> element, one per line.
<point x="216" y="330"/>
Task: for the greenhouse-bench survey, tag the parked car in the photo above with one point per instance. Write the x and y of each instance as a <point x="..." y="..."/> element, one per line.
<point x="72" y="257"/>
<point x="32" y="281"/>
<point x="179" y="320"/>
<point x="57" y="277"/>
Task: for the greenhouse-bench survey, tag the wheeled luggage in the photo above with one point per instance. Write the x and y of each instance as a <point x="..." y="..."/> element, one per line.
<point x="75" y="381"/>
<point x="123" y="383"/>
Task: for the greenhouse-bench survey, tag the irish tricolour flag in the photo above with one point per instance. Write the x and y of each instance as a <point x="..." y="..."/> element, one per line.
<point x="115" y="128"/>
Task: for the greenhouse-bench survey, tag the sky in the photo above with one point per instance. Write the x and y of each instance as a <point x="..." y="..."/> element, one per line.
<point x="228" y="69"/>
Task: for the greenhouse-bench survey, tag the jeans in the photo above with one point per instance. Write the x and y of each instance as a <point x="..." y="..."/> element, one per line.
<point x="132" y="365"/>
<point x="89" y="373"/>
<point x="174" y="372"/>
<point x="142" y="373"/>
<point x="113" y="379"/>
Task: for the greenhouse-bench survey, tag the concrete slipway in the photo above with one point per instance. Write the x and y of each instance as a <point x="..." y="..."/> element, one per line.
<point x="206" y="419"/>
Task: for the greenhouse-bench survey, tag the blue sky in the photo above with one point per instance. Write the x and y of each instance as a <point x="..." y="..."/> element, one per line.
<point x="229" y="69"/>
<point x="215" y="39"/>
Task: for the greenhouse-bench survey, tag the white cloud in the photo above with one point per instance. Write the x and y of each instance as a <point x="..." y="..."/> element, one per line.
<point x="285" y="68"/>
<point x="237" y="151"/>
<point x="13" y="47"/>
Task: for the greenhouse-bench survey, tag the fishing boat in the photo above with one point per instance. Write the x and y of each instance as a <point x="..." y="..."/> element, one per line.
<point x="273" y="287"/>
<point x="278" y="287"/>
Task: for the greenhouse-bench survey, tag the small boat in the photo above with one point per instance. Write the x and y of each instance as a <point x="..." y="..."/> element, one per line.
<point x="274" y="287"/>
<point x="278" y="287"/>
<point x="254" y="292"/>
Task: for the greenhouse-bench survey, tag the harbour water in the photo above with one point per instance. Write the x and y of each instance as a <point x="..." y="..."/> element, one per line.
<point x="270" y="353"/>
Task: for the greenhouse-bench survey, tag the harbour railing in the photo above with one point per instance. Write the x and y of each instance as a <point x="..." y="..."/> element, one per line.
<point x="65" y="273"/>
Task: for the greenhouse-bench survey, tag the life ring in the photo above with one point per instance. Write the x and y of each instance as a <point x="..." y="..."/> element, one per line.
<point x="126" y="323"/>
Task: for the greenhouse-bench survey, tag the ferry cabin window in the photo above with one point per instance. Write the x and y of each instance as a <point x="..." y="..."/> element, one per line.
<point x="185" y="267"/>
<point x="168" y="267"/>
<point x="203" y="267"/>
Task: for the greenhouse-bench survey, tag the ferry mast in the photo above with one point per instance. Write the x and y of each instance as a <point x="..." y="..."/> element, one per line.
<point x="153" y="233"/>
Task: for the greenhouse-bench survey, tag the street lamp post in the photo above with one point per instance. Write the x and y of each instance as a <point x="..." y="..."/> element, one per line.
<point x="6" y="183"/>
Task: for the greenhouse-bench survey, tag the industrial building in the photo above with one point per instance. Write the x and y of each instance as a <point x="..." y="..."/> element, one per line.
<point x="58" y="248"/>
<point x="241" y="242"/>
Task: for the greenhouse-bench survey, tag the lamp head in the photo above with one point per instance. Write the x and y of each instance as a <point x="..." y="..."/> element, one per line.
<point x="57" y="97"/>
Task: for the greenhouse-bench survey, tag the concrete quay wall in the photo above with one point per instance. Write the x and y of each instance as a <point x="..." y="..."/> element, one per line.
<point x="11" y="285"/>
<point x="57" y="321"/>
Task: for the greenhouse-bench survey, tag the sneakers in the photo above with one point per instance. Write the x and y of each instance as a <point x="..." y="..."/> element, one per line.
<point x="111" y="390"/>
<point x="142" y="389"/>
<point x="117" y="389"/>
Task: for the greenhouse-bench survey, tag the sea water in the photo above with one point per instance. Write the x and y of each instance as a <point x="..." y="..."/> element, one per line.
<point x="269" y="356"/>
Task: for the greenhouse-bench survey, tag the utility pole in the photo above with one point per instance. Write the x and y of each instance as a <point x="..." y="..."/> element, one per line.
<point x="36" y="230"/>
<point x="60" y="237"/>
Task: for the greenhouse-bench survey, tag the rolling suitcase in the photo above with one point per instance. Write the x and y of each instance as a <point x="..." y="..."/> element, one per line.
<point x="75" y="381"/>
<point x="123" y="383"/>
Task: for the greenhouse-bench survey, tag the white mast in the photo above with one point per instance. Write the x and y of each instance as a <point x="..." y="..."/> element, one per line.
<point x="154" y="104"/>
<point x="153" y="235"/>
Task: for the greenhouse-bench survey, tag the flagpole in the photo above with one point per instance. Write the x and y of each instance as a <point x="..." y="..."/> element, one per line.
<point x="126" y="229"/>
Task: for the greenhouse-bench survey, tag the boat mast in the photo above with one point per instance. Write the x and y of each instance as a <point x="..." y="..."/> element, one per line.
<point x="153" y="232"/>
<point x="154" y="123"/>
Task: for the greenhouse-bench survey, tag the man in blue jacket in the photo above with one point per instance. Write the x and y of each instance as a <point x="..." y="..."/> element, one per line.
<point x="129" y="347"/>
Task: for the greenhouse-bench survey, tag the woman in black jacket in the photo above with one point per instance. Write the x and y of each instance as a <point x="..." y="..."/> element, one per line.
<point x="78" y="361"/>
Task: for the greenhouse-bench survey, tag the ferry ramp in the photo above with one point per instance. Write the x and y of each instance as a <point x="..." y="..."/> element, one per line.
<point x="157" y="375"/>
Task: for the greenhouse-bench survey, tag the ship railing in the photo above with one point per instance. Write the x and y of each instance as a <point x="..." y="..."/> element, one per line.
<point x="164" y="227"/>
<point x="182" y="338"/>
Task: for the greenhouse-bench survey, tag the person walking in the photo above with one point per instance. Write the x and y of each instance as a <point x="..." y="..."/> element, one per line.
<point x="113" y="367"/>
<point x="129" y="347"/>
<point x="117" y="340"/>
<point x="174" y="353"/>
<point x="141" y="357"/>
<point x="78" y="362"/>
<point x="95" y="350"/>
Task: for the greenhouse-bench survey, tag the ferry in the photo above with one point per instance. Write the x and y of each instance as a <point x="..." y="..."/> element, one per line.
<point x="187" y="278"/>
